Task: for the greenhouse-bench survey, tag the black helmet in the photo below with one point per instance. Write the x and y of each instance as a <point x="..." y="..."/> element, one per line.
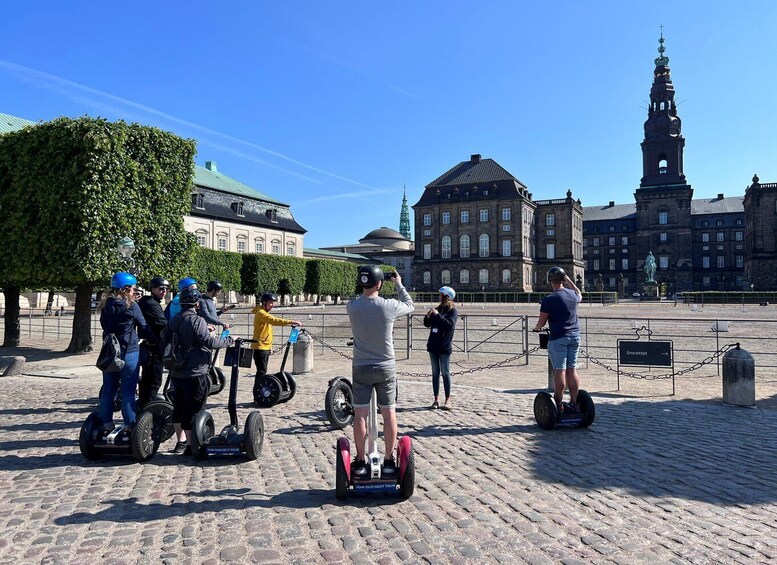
<point x="369" y="275"/>
<point x="156" y="282"/>
<point x="268" y="297"/>
<point x="556" y="274"/>
<point x="214" y="285"/>
<point x="190" y="296"/>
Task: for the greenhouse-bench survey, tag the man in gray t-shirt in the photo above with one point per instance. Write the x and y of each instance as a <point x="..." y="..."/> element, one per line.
<point x="372" y="323"/>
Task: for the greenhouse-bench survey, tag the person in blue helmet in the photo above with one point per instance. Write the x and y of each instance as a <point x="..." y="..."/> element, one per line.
<point x="174" y="307"/>
<point x="441" y="321"/>
<point x="120" y="315"/>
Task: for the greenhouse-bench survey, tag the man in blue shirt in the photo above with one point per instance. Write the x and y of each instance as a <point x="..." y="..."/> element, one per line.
<point x="559" y="310"/>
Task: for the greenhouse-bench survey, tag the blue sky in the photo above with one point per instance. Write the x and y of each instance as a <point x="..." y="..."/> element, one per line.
<point x="333" y="107"/>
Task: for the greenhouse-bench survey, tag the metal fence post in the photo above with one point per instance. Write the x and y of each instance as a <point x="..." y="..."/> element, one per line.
<point x="466" y="337"/>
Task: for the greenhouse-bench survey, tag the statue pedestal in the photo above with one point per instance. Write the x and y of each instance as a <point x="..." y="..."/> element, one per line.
<point x="650" y="290"/>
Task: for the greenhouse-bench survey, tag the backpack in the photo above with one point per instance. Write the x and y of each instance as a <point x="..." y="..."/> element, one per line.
<point x="173" y="354"/>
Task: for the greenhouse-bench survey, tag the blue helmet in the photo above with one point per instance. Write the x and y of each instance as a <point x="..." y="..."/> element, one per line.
<point x="122" y="279"/>
<point x="185" y="282"/>
<point x="449" y="292"/>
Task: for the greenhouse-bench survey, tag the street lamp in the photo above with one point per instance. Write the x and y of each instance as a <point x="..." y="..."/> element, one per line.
<point x="126" y="247"/>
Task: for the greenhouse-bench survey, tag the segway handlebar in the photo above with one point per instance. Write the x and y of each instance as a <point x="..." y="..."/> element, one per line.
<point x="541" y="330"/>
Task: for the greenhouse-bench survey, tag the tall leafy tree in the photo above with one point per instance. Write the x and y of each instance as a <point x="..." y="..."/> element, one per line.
<point x="70" y="189"/>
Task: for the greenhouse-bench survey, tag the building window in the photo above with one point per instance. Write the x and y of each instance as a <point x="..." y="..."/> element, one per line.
<point x="483" y="215"/>
<point x="705" y="224"/>
<point x="290" y="248"/>
<point x="663" y="237"/>
<point x="484" y="244"/>
<point x="739" y="222"/>
<point x="705" y="237"/>
<point x="464" y="247"/>
<point x="719" y="223"/>
<point x="596" y="264"/>
<point x="611" y="240"/>
<point x="705" y="281"/>
<point x="550" y="232"/>
<point x="506" y="227"/>
<point x="596" y="242"/>
<point x="237" y="208"/>
<point x="550" y="251"/>
<point x="427" y="219"/>
<point x="427" y="232"/>
<point x="624" y="264"/>
<point x="483" y="276"/>
<point x="612" y="228"/>
<point x="663" y="262"/>
<point x="506" y="248"/>
<point x="222" y="243"/>
<point x="719" y="236"/>
<point x="506" y="276"/>
<point x="400" y="263"/>
<point x="721" y="261"/>
<point x="427" y="250"/>
<point x="612" y="264"/>
<point x="705" y="262"/>
<point x="585" y="243"/>
<point x="663" y="218"/>
<point x="446" y="247"/>
<point x="259" y="245"/>
<point x="624" y="240"/>
<point x="445" y="277"/>
<point x="446" y="217"/>
<point x="550" y="220"/>
<point x="739" y="236"/>
<point x="740" y="261"/>
<point x="427" y="277"/>
<point x="276" y="247"/>
<point x="199" y="200"/>
<point x="465" y="216"/>
<point x="241" y="245"/>
<point x="505" y="214"/>
<point x="464" y="277"/>
<point x="202" y="239"/>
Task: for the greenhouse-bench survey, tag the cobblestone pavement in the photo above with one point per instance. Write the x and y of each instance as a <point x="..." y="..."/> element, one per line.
<point x="656" y="479"/>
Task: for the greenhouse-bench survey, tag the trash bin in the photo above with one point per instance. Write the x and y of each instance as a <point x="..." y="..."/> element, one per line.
<point x="738" y="378"/>
<point x="303" y="354"/>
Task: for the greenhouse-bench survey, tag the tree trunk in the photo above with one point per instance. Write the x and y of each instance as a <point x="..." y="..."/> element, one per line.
<point x="81" y="339"/>
<point x="12" y="334"/>
<point x="49" y="303"/>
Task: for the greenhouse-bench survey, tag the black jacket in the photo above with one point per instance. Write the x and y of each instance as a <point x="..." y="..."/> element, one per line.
<point x="154" y="315"/>
<point x="116" y="318"/>
<point x="442" y="326"/>
<point x="194" y="337"/>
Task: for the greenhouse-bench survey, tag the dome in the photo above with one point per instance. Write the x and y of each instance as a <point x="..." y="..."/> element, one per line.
<point x="382" y="233"/>
<point x="387" y="239"/>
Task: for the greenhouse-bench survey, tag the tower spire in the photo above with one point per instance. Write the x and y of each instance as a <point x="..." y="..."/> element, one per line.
<point x="662" y="60"/>
<point x="404" y="216"/>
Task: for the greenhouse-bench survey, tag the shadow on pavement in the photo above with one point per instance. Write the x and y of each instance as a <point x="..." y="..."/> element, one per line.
<point x="32" y="354"/>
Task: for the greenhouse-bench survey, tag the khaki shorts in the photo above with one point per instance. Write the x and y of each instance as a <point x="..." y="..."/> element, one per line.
<point x="384" y="381"/>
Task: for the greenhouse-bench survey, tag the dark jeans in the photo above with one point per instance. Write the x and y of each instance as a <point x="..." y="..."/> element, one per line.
<point x="261" y="359"/>
<point x="441" y="363"/>
<point x="127" y="379"/>
<point x="189" y="398"/>
<point x="151" y="376"/>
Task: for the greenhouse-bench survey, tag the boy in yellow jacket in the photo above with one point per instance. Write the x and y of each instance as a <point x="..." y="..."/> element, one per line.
<point x="263" y="323"/>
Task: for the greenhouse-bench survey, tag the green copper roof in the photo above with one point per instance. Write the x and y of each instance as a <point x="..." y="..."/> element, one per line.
<point x="661" y="60"/>
<point x="211" y="178"/>
<point x="10" y="123"/>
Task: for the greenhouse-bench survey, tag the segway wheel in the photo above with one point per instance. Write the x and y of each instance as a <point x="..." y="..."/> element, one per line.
<point x="339" y="404"/>
<point x="269" y="392"/>
<point x="292" y="386"/>
<point x="587" y="407"/>
<point x="87" y="436"/>
<point x="142" y="441"/>
<point x="162" y="411"/>
<point x="341" y="472"/>
<point x="217" y="380"/>
<point x="545" y="411"/>
<point x="254" y="435"/>
<point x="202" y="431"/>
<point x="406" y="458"/>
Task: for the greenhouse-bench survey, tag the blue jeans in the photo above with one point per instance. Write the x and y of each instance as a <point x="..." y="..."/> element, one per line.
<point x="127" y="378"/>
<point x="441" y="363"/>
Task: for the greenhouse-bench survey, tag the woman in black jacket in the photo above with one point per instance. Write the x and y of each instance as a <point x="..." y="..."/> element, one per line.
<point x="442" y="321"/>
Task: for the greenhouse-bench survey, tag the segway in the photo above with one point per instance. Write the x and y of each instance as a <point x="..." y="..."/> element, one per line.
<point x="230" y="441"/>
<point x="216" y="376"/>
<point x="339" y="403"/>
<point x="374" y="481"/>
<point x="161" y="409"/>
<point x="281" y="386"/>
<point x="138" y="441"/>
<point x="548" y="416"/>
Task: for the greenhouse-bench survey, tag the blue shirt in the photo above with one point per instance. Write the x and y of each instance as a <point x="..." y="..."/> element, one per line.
<point x="561" y="307"/>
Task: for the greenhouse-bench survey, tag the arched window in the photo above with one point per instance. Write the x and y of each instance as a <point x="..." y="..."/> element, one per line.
<point x="275" y="246"/>
<point x="223" y="242"/>
<point x="199" y="200"/>
<point x="241" y="244"/>
<point x="446" y="247"/>
<point x="483" y="276"/>
<point x="464" y="247"/>
<point x="290" y="248"/>
<point x="202" y="238"/>
<point x="662" y="164"/>
<point x="259" y="245"/>
<point x="445" y="277"/>
<point x="464" y="277"/>
<point x="483" y="248"/>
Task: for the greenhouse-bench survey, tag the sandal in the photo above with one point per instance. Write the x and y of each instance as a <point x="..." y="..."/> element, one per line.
<point x="434" y="406"/>
<point x="445" y="406"/>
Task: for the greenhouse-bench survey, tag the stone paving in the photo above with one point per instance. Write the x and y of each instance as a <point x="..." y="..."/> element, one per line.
<point x="656" y="479"/>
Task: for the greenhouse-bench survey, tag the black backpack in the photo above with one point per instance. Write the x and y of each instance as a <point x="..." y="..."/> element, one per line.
<point x="173" y="355"/>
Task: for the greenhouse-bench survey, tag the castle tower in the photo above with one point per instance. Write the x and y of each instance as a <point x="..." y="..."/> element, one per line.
<point x="404" y="217"/>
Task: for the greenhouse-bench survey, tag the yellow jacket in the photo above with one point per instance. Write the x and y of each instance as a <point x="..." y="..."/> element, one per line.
<point x="263" y="323"/>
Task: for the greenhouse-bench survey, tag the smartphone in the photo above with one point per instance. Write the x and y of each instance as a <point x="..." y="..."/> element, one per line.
<point x="224" y="334"/>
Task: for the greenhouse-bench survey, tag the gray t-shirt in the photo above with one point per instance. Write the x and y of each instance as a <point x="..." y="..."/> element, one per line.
<point x="372" y="324"/>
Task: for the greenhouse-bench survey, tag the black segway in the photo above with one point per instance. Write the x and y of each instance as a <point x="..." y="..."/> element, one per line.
<point x="339" y="403"/>
<point x="205" y="442"/>
<point x="216" y="376"/>
<point x="138" y="441"/>
<point x="281" y="386"/>
<point x="375" y="481"/>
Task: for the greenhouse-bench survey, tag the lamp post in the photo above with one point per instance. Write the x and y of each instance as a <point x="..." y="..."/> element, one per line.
<point x="126" y="247"/>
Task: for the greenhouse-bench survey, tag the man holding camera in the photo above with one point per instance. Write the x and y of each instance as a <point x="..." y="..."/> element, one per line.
<point x="372" y="323"/>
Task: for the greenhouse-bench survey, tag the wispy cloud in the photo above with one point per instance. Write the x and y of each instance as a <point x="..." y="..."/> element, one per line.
<point x="128" y="108"/>
<point x="363" y="195"/>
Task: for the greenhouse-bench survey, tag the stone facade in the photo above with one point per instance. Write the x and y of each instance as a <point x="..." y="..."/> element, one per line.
<point x="760" y="205"/>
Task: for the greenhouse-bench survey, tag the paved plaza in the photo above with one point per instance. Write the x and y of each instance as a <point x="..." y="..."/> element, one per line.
<point x="656" y="479"/>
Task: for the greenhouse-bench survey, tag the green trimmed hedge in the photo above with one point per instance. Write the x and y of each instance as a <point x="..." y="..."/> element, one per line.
<point x="212" y="264"/>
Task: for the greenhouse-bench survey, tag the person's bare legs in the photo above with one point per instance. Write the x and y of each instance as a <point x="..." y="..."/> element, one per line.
<point x="179" y="433"/>
<point x="573" y="382"/>
<point x="389" y="431"/>
<point x="360" y="431"/>
<point x="559" y="385"/>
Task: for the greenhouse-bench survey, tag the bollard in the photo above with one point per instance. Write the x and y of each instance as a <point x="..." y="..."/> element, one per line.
<point x="738" y="378"/>
<point x="15" y="368"/>
<point x="303" y="354"/>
